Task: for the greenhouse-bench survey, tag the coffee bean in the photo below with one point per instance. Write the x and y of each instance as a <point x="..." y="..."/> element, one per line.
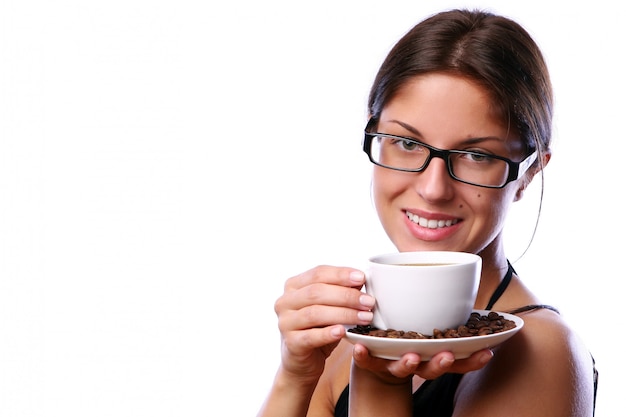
<point x="476" y="325"/>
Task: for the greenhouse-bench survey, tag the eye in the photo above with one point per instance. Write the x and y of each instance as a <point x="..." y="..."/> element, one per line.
<point x="406" y="144"/>
<point x="479" y="158"/>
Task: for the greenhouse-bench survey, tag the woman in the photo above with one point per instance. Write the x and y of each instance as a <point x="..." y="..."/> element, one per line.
<point x="460" y="123"/>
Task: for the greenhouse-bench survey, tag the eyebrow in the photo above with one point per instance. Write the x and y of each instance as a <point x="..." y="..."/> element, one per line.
<point x="468" y="141"/>
<point x="407" y="127"/>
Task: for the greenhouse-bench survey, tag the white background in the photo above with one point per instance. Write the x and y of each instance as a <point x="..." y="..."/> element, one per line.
<point x="165" y="166"/>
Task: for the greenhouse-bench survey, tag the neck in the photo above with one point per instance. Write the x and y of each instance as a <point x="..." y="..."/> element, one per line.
<point x="494" y="269"/>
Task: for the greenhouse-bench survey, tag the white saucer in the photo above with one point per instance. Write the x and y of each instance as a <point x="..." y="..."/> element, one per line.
<point x="462" y="347"/>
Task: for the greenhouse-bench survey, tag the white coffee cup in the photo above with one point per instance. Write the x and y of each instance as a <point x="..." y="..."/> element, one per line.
<point x="423" y="291"/>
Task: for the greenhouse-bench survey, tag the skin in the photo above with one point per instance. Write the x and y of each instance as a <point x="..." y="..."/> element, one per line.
<point x="543" y="370"/>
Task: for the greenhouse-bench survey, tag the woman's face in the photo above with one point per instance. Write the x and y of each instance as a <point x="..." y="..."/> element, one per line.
<point x="430" y="210"/>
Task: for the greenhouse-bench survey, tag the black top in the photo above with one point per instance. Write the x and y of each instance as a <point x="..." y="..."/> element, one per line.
<point x="435" y="398"/>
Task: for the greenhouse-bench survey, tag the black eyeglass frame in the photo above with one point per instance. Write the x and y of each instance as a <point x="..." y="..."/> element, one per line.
<point x="514" y="167"/>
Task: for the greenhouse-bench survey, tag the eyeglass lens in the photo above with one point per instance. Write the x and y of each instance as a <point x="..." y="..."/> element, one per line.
<point x="475" y="168"/>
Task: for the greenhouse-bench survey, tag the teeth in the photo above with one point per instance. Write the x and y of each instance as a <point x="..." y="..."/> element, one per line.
<point x="431" y="224"/>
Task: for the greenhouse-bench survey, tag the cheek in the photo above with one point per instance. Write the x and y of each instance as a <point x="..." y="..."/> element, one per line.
<point x="386" y="185"/>
<point x="494" y="204"/>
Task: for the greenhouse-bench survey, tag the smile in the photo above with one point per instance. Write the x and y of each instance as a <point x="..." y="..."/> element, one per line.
<point x="430" y="224"/>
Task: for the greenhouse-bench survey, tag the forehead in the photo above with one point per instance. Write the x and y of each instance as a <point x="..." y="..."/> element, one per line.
<point x="444" y="94"/>
<point x="440" y="103"/>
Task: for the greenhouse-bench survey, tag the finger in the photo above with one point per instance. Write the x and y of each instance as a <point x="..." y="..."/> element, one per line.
<point x="344" y="276"/>
<point x="444" y="362"/>
<point x="438" y="365"/>
<point x="320" y="316"/>
<point x="302" y="342"/>
<point x="391" y="371"/>
<point x="477" y="361"/>
<point x="405" y="366"/>
<point x="324" y="294"/>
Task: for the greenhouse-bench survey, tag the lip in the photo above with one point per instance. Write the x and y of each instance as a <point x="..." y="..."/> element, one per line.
<point x="431" y="234"/>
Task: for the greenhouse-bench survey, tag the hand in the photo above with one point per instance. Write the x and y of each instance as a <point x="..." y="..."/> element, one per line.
<point x="311" y="313"/>
<point x="397" y="372"/>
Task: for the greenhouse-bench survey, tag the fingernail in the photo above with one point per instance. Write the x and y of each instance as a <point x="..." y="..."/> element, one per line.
<point x="367" y="300"/>
<point x="358" y="352"/>
<point x="446" y="362"/>
<point x="365" y="315"/>
<point x="486" y="357"/>
<point x="336" y="331"/>
<point x="357" y="277"/>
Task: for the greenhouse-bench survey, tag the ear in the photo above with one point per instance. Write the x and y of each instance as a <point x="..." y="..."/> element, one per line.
<point x="520" y="191"/>
<point x="530" y="174"/>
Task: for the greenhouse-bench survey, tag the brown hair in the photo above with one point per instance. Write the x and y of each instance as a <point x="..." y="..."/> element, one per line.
<point x="493" y="51"/>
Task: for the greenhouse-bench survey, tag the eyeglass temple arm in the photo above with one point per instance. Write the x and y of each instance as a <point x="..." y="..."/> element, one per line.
<point x="523" y="166"/>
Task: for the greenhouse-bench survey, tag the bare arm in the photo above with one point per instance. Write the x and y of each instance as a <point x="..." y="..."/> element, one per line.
<point x="308" y="312"/>
<point x="308" y="315"/>
<point x="374" y="394"/>
<point x="289" y="396"/>
<point x="381" y="387"/>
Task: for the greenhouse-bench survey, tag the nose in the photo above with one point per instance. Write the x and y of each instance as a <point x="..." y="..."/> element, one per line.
<point x="435" y="183"/>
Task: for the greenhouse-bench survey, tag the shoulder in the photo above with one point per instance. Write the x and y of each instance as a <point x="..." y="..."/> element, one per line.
<point x="543" y="369"/>
<point x="547" y="339"/>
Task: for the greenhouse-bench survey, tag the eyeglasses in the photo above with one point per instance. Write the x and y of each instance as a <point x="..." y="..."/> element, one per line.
<point x="475" y="168"/>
